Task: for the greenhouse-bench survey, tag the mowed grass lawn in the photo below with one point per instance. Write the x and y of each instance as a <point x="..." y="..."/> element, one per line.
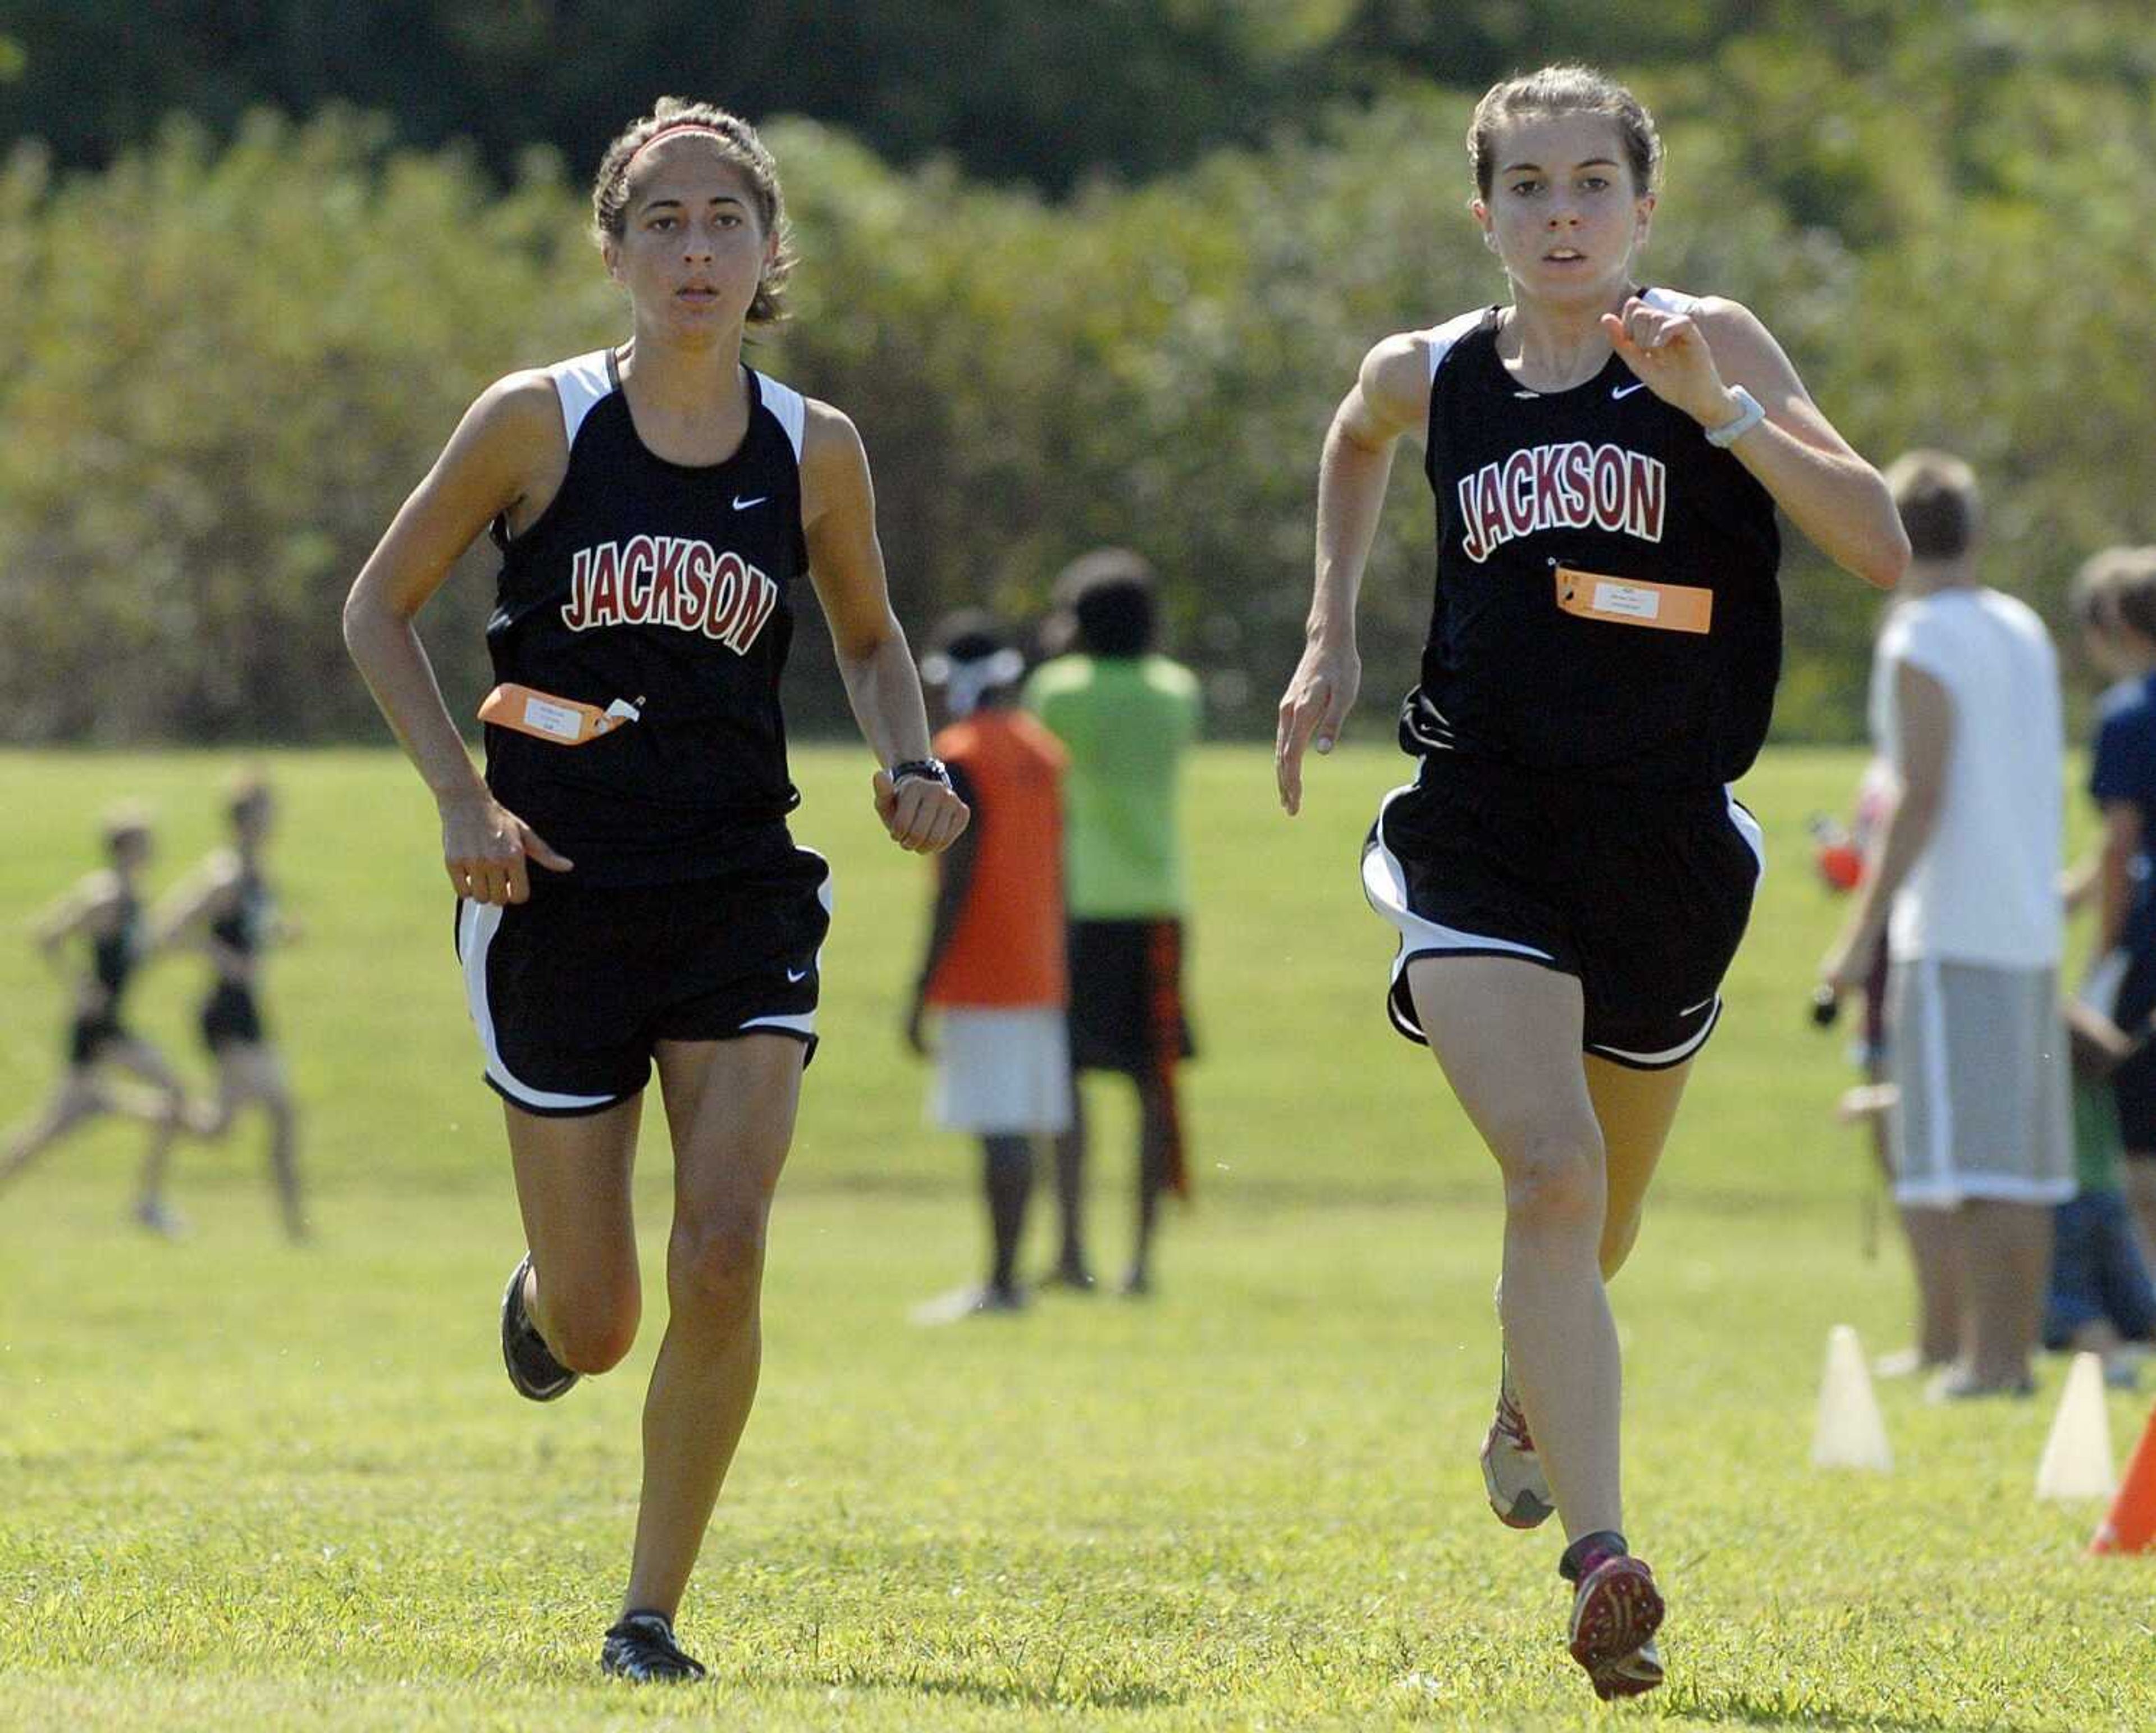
<point x="245" y="1486"/>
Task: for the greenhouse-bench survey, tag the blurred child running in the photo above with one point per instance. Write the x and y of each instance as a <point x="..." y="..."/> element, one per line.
<point x="226" y="910"/>
<point x="105" y="910"/>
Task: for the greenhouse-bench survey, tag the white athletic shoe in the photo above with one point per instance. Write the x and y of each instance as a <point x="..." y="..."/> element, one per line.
<point x="1512" y="1473"/>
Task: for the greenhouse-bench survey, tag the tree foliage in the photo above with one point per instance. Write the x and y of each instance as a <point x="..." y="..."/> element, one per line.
<point x="1035" y="90"/>
<point x="226" y="360"/>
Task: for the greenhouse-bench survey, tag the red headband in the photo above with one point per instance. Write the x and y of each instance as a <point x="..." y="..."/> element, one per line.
<point x="674" y="126"/>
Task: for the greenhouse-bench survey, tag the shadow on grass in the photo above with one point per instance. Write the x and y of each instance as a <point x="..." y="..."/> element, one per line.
<point x="1755" y="1710"/>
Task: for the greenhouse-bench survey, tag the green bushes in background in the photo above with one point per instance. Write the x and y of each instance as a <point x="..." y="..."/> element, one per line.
<point x="223" y="363"/>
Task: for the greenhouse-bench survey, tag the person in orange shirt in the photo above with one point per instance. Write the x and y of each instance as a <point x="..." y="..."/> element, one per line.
<point x="994" y="972"/>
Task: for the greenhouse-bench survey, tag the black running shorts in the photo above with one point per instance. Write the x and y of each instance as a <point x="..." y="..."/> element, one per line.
<point x="571" y="991"/>
<point x="230" y="1015"/>
<point x="89" y="1037"/>
<point x="1640" y="894"/>
<point x="1127" y="1012"/>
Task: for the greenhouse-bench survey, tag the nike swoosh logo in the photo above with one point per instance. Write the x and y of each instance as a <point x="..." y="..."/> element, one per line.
<point x="1617" y="391"/>
<point x="797" y="975"/>
<point x="742" y="505"/>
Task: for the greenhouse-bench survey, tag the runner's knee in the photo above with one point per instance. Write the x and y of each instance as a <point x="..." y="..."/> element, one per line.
<point x="715" y="1262"/>
<point x="592" y="1331"/>
<point x="1553" y="1174"/>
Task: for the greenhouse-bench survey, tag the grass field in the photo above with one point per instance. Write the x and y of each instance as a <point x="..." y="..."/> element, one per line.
<point x="243" y="1486"/>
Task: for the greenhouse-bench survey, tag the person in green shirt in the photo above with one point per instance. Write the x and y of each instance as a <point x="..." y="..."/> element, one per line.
<point x="1126" y="715"/>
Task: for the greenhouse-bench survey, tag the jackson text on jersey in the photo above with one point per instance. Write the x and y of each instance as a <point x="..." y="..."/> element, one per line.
<point x="1568" y="486"/>
<point x="671" y="581"/>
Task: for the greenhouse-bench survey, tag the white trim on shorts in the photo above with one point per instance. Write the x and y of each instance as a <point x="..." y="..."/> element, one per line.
<point x="802" y="1023"/>
<point x="1385" y="888"/>
<point x="1755" y="838"/>
<point x="1668" y="1055"/>
<point x="1995" y="1188"/>
<point x="1747" y="827"/>
<point x="477" y="924"/>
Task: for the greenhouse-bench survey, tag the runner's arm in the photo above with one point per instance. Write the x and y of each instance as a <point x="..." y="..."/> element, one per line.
<point x="846" y="562"/>
<point x="182" y="918"/>
<point x="1691" y="360"/>
<point x="483" y="471"/>
<point x="954" y="879"/>
<point x="71" y="914"/>
<point x="1390" y="395"/>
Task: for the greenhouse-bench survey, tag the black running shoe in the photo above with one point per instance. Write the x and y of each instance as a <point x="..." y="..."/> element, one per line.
<point x="533" y="1368"/>
<point x="642" y="1648"/>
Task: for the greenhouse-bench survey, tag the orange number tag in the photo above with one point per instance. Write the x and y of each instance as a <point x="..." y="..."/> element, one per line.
<point x="563" y="721"/>
<point x="1634" y="601"/>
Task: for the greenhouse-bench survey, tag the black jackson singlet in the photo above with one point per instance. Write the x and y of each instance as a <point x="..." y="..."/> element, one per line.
<point x="243" y="928"/>
<point x="1613" y="485"/>
<point x="664" y="590"/>
<point x="113" y="958"/>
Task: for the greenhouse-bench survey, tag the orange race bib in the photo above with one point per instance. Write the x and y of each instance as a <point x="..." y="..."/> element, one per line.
<point x="562" y="721"/>
<point x="1634" y="601"/>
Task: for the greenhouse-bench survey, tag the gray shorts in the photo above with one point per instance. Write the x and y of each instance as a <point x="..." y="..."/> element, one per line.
<point x="1979" y="1059"/>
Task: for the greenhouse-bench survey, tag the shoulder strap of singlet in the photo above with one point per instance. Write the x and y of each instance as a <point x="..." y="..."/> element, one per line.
<point x="784" y="402"/>
<point x="580" y="383"/>
<point x="1439" y="339"/>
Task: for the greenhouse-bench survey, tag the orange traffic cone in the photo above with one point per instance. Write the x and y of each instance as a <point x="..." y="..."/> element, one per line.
<point x="2131" y="1527"/>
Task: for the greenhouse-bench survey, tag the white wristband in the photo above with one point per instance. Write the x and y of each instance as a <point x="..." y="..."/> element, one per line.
<point x="1749" y="415"/>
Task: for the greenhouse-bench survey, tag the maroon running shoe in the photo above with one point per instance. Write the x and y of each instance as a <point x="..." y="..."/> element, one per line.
<point x="1638" y="1672"/>
<point x="1615" y="1611"/>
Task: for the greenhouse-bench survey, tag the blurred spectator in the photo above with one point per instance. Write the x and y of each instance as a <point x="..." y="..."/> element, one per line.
<point x="1965" y="702"/>
<point x="2100" y="1299"/>
<point x="2115" y="595"/>
<point x="993" y="970"/>
<point x="1126" y="715"/>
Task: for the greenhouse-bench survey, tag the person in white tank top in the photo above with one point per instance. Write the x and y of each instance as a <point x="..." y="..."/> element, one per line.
<point x="1965" y="703"/>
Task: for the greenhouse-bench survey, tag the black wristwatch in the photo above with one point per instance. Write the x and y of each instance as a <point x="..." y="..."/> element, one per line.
<point x="934" y="769"/>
